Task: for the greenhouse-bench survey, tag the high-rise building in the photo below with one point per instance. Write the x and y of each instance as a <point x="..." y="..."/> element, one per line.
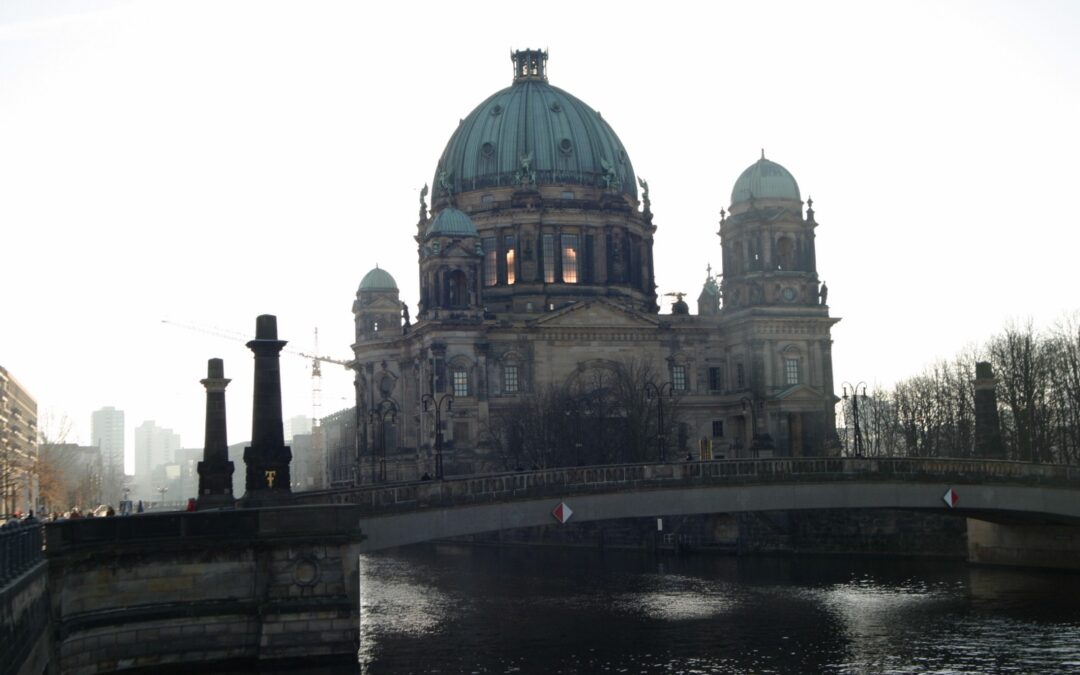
<point x="18" y="446"/>
<point x="298" y="426"/>
<point x="107" y="433"/>
<point x="154" y="447"/>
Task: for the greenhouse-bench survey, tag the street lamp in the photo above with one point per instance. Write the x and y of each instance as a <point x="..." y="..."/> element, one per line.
<point x="653" y="391"/>
<point x="749" y="404"/>
<point x="855" y="413"/>
<point x="430" y="401"/>
<point x="162" y="490"/>
<point x="379" y="413"/>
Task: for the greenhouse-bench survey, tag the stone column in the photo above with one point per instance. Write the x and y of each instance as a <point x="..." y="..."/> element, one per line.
<point x="988" y="442"/>
<point x="215" y="471"/>
<point x="267" y="458"/>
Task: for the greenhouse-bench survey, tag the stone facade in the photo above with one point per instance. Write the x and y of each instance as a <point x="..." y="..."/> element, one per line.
<point x="533" y="276"/>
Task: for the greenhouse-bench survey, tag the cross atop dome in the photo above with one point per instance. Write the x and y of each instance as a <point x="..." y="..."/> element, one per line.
<point x="529" y="64"/>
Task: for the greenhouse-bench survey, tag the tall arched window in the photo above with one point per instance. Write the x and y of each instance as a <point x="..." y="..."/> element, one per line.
<point x="571" y="255"/>
<point x="457" y="290"/>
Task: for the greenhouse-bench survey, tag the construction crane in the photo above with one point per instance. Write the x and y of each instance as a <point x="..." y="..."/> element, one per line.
<point x="318" y="440"/>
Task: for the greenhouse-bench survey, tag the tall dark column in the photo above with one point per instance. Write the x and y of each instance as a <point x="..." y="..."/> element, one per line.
<point x="267" y="458"/>
<point x="215" y="471"/>
<point x="988" y="441"/>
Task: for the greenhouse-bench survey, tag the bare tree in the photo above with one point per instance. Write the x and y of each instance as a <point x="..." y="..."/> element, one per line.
<point x="1021" y="361"/>
<point x="601" y="414"/>
<point x="1038" y="393"/>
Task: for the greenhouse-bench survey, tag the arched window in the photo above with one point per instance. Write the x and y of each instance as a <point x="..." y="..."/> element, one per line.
<point x="511" y="382"/>
<point x="457" y="290"/>
<point x="785" y="253"/>
<point x="459" y="378"/>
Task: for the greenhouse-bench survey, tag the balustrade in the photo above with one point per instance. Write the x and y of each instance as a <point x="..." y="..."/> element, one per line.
<point x="475" y="489"/>
<point x="20" y="549"/>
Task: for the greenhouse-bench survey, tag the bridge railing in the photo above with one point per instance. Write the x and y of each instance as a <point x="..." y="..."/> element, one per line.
<point x="20" y="548"/>
<point x="593" y="479"/>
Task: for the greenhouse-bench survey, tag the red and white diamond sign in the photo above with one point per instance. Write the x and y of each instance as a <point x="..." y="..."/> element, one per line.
<point x="562" y="512"/>
<point x="951" y="498"/>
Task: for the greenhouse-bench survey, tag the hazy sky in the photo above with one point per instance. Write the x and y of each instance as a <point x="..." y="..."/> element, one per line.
<point x="206" y="162"/>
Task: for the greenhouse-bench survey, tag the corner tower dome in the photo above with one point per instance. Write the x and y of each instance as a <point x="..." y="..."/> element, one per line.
<point x="765" y="180"/>
<point x="532" y="134"/>
<point x="452" y="223"/>
<point x="378" y="280"/>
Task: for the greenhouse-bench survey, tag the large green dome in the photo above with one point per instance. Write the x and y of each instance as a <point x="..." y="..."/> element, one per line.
<point x="533" y="128"/>
<point x="765" y="180"/>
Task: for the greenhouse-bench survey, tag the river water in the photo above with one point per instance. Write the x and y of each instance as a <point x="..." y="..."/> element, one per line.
<point x="460" y="609"/>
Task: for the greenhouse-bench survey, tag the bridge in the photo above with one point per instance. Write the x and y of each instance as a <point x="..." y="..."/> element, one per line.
<point x="994" y="491"/>
<point x="244" y="588"/>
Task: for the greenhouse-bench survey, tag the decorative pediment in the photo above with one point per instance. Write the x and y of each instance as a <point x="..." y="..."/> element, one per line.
<point x="382" y="304"/>
<point x="597" y="313"/>
<point x="800" y="393"/>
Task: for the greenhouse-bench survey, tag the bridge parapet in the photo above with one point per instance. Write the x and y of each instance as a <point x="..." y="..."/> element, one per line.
<point x="565" y="481"/>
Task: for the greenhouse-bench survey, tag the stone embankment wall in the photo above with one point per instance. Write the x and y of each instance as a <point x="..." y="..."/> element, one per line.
<point x="244" y="590"/>
<point x="24" y="622"/>
<point x="1024" y="544"/>
<point x="882" y="532"/>
<point x="867" y="532"/>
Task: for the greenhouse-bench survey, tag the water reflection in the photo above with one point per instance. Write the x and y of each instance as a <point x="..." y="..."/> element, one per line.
<point x="446" y="609"/>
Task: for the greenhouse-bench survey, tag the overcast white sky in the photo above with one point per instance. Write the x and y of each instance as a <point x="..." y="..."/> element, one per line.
<point x="206" y="162"/>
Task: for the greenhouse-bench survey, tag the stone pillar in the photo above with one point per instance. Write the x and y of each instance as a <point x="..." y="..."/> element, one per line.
<point x="215" y="471"/>
<point x="267" y="458"/>
<point x="988" y="441"/>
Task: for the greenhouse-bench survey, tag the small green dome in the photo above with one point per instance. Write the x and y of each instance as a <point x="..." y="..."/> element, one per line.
<point x="765" y="180"/>
<point x="378" y="280"/>
<point x="451" y="223"/>
<point x="532" y="130"/>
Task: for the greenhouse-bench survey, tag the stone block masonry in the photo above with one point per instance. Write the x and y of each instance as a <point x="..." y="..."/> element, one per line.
<point x="244" y="589"/>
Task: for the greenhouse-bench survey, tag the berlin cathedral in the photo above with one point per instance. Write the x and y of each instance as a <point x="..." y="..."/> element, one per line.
<point x="537" y="285"/>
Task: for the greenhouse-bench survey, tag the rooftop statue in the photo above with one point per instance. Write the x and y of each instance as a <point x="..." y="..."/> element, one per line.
<point x="423" y="203"/>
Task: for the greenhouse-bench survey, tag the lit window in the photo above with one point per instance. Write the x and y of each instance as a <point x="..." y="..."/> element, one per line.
<point x="678" y="378"/>
<point x="510" y="272"/>
<point x="510" y="379"/>
<point x="549" y="258"/>
<point x="791" y="371"/>
<point x="570" y="258"/>
<point x="461" y="382"/>
<point x="491" y="274"/>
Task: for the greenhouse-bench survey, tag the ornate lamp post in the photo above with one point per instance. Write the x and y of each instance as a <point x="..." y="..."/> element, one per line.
<point x="385" y="408"/>
<point x="857" y="441"/>
<point x="430" y="402"/>
<point x="652" y="391"/>
<point x="162" y="490"/>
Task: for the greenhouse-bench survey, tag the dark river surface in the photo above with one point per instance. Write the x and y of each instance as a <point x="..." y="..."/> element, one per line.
<point x="460" y="609"/>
